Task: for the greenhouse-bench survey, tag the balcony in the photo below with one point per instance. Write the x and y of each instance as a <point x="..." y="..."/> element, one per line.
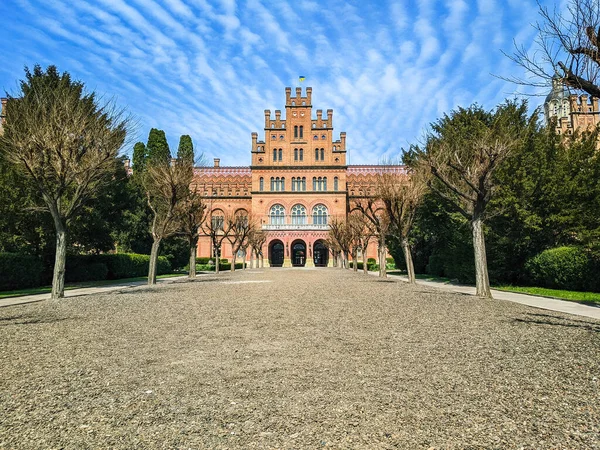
<point x="288" y="222"/>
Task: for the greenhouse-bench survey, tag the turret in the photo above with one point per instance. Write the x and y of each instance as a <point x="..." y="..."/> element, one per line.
<point x="330" y="118"/>
<point x="254" y="140"/>
<point x="267" y="118"/>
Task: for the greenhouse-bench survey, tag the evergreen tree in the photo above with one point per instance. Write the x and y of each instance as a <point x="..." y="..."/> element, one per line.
<point x="157" y="147"/>
<point x="185" y="151"/>
<point x="140" y="154"/>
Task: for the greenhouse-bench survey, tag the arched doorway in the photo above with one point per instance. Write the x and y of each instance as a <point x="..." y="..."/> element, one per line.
<point x="320" y="254"/>
<point x="276" y="253"/>
<point x="298" y="253"/>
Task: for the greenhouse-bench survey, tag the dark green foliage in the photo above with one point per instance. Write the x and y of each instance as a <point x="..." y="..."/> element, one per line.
<point x="222" y="266"/>
<point x="569" y="268"/>
<point x="176" y="250"/>
<point x="371" y="261"/>
<point x="89" y="271"/>
<point x="19" y="271"/>
<point x="157" y="147"/>
<point x="204" y="260"/>
<point x="185" y="151"/>
<point x="130" y="265"/>
<point x="140" y="154"/>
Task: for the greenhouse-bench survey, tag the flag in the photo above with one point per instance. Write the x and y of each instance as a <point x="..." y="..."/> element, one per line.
<point x="302" y="78"/>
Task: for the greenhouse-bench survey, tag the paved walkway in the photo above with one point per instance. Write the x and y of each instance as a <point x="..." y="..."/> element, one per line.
<point x="552" y="304"/>
<point x="10" y="301"/>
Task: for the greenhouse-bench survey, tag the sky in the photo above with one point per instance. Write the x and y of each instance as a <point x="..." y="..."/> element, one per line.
<point x="210" y="68"/>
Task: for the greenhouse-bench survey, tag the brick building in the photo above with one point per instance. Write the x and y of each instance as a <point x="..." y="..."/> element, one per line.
<point x="297" y="181"/>
<point x="572" y="112"/>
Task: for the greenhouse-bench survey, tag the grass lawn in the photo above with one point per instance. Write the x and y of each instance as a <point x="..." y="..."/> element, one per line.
<point x="575" y="296"/>
<point x="83" y="284"/>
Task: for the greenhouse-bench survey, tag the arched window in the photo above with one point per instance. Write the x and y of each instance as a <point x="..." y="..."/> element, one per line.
<point x="301" y="131"/>
<point x="295" y="154"/>
<point x="335" y="184"/>
<point x="303" y="184"/>
<point x="319" y="184"/>
<point x="322" y="154"/>
<point x="282" y="184"/>
<point x="261" y="186"/>
<point x="325" y="183"/>
<point x="272" y="125"/>
<point x="272" y="184"/>
<point x="277" y="215"/>
<point x="301" y="154"/>
<point x="295" y="131"/>
<point x="319" y="215"/>
<point x="298" y="215"/>
<point x="314" y="183"/>
<point x="280" y="154"/>
<point x="274" y="154"/>
<point x="316" y="154"/>
<point x="293" y="184"/>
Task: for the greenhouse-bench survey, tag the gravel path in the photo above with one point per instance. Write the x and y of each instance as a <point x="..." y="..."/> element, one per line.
<point x="284" y="358"/>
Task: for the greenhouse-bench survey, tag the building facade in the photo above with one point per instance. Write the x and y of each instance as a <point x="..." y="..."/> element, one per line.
<point x="297" y="182"/>
<point x="571" y="112"/>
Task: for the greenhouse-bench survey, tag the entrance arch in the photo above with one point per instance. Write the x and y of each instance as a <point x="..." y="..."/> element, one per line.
<point x="298" y="253"/>
<point x="276" y="253"/>
<point x="320" y="254"/>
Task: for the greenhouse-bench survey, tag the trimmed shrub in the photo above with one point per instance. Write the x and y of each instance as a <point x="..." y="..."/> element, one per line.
<point x="371" y="261"/>
<point x="19" y="271"/>
<point x="93" y="271"/>
<point x="203" y="260"/>
<point x="211" y="267"/>
<point x="561" y="268"/>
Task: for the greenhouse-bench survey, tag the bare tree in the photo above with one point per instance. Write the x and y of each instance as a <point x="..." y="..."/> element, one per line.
<point x="567" y="47"/>
<point x="462" y="153"/>
<point x="66" y="144"/>
<point x="340" y="241"/>
<point x="218" y="227"/>
<point x="241" y="227"/>
<point x="373" y="211"/>
<point x="362" y="233"/>
<point x="257" y="240"/>
<point x="167" y="185"/>
<point x="402" y="197"/>
<point x="192" y="212"/>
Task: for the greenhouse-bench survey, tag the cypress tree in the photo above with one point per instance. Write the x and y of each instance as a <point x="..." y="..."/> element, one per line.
<point x="157" y="147"/>
<point x="185" y="152"/>
<point x="140" y="153"/>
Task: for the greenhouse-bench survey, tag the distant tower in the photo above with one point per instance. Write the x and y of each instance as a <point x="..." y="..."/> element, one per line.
<point x="571" y="112"/>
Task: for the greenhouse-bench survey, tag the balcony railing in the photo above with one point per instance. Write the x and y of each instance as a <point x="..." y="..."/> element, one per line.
<point x="291" y="222"/>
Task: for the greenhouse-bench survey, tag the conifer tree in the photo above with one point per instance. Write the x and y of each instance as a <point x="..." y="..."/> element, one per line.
<point x="140" y="153"/>
<point x="157" y="147"/>
<point x="185" y="151"/>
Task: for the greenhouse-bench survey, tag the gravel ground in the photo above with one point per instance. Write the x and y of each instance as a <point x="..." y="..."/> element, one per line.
<point x="287" y="358"/>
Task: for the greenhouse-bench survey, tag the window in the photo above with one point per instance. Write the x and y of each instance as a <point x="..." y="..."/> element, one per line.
<point x="217" y="221"/>
<point x="295" y="154"/>
<point x="314" y="183"/>
<point x="335" y="184"/>
<point x="315" y="137"/>
<point x="295" y="131"/>
<point x="261" y="184"/>
<point x="277" y="215"/>
<point x="322" y="154"/>
<point x="301" y="154"/>
<point x="303" y="184"/>
<point x="274" y="154"/>
<point x="298" y="215"/>
<point x="301" y="131"/>
<point x="272" y="184"/>
<point x="325" y="183"/>
<point x="282" y="184"/>
<point x="323" y="136"/>
<point x="280" y="154"/>
<point x="293" y="184"/>
<point x="320" y="215"/>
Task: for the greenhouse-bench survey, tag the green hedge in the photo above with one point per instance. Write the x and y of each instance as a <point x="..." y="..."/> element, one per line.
<point x="569" y="268"/>
<point x="119" y="265"/>
<point x="19" y="271"/>
<point x="373" y="267"/>
<point x="211" y="267"/>
<point x="203" y="260"/>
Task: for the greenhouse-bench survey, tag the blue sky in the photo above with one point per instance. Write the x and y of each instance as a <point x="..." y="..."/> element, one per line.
<point x="210" y="68"/>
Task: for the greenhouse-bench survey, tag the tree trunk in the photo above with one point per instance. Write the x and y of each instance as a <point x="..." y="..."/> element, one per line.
<point x="244" y="260"/>
<point x="355" y="261"/>
<point x="261" y="260"/>
<point x="364" y="258"/>
<point x="252" y="259"/>
<point x="382" y="268"/>
<point x="233" y="261"/>
<point x="410" y="268"/>
<point x="217" y="261"/>
<point x="192" y="271"/>
<point x="58" y="278"/>
<point x="482" y="281"/>
<point x="153" y="262"/>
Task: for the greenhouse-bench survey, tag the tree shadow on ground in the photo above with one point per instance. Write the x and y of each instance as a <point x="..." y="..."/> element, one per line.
<point x="547" y="319"/>
<point x="27" y="319"/>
